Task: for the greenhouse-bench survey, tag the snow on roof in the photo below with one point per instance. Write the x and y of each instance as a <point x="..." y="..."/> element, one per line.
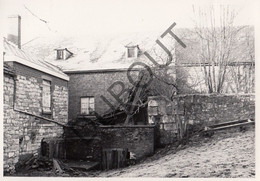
<point x="13" y="53"/>
<point x="109" y="52"/>
<point x="95" y="53"/>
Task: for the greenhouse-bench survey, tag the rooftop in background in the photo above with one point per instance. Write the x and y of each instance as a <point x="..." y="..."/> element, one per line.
<point x="109" y="51"/>
<point x="13" y="53"/>
<point x="92" y="53"/>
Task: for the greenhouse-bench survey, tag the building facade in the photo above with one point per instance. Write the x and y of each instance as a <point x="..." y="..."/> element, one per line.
<point x="94" y="65"/>
<point x="35" y="104"/>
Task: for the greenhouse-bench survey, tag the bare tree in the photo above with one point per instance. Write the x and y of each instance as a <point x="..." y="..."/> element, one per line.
<point x="217" y="37"/>
<point x="163" y="81"/>
<point x="241" y="73"/>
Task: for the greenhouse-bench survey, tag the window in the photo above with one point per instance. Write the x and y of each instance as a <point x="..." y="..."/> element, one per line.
<point x="87" y="105"/>
<point x="46" y="96"/>
<point x="59" y="54"/>
<point x="131" y="52"/>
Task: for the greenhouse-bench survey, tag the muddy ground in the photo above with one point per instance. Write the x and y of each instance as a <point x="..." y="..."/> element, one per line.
<point x="229" y="153"/>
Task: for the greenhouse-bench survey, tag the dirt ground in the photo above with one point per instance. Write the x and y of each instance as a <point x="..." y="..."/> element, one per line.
<point x="229" y="153"/>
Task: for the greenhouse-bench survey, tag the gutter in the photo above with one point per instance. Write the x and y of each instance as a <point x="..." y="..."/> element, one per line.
<point x="36" y="66"/>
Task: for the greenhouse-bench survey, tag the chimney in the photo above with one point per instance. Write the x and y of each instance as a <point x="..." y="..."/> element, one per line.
<point x="14" y="29"/>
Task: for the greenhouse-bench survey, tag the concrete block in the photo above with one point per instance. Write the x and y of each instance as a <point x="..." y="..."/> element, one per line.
<point x="152" y="111"/>
<point x="152" y="103"/>
<point x="11" y="154"/>
<point x="162" y="110"/>
<point x="191" y="122"/>
<point x="27" y="138"/>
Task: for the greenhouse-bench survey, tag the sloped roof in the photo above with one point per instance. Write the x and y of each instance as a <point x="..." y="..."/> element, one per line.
<point x="109" y="52"/>
<point x="13" y="53"/>
<point x="92" y="53"/>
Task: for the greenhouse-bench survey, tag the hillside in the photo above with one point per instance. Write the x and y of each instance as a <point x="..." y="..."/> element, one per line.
<point x="230" y="153"/>
<point x="227" y="154"/>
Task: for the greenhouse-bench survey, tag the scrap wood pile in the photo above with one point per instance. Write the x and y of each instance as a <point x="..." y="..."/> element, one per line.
<point x="51" y="166"/>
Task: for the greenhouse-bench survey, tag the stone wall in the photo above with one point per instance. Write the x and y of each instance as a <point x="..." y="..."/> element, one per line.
<point x="197" y="111"/>
<point x="139" y="139"/>
<point x="10" y="126"/>
<point x="22" y="132"/>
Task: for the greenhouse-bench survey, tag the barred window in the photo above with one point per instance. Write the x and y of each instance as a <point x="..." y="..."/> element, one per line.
<point x="46" y="96"/>
<point x="87" y="105"/>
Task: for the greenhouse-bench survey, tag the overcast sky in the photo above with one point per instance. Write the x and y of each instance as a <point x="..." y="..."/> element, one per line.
<point x="80" y="17"/>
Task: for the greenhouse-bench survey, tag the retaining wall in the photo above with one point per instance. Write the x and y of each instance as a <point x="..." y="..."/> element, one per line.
<point x="197" y="111"/>
<point x="138" y="139"/>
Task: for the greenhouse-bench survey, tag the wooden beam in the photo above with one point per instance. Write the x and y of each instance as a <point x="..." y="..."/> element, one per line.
<point x="41" y="117"/>
<point x="229" y="123"/>
<point x="230" y="126"/>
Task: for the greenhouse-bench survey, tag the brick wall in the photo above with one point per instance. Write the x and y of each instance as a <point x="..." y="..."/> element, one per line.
<point x="23" y="133"/>
<point x="87" y="141"/>
<point x="197" y="111"/>
<point x="93" y="84"/>
<point x="83" y="142"/>
<point x="138" y="139"/>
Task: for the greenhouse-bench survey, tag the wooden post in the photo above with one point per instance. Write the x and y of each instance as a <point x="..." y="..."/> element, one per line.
<point x="114" y="158"/>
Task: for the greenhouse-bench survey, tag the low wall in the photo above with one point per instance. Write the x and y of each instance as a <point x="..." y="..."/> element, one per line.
<point x="197" y="111"/>
<point x="83" y="142"/>
<point x="138" y="139"/>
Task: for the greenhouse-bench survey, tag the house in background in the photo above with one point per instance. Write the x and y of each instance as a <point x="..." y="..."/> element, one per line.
<point x="240" y="68"/>
<point x="35" y="91"/>
<point x="94" y="64"/>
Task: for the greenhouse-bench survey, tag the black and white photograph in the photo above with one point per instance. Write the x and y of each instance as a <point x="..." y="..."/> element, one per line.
<point x="128" y="88"/>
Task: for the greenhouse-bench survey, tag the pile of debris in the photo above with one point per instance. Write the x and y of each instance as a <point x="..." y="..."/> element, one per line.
<point x="36" y="165"/>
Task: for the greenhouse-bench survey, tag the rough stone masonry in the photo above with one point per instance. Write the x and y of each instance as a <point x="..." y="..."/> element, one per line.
<point x="197" y="110"/>
<point x="23" y="133"/>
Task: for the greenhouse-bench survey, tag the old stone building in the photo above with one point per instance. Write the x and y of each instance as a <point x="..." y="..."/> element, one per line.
<point x="94" y="64"/>
<point x="98" y="66"/>
<point x="35" y="101"/>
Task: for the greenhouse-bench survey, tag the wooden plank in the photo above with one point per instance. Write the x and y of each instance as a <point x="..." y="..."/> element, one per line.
<point x="109" y="159"/>
<point x="41" y="117"/>
<point x="56" y="166"/>
<point x="51" y="145"/>
<point x="121" y="164"/>
<point x="113" y="158"/>
<point x="56" y="149"/>
<point x="82" y="165"/>
<point x="103" y="164"/>
<point x="118" y="159"/>
<point x="228" y="123"/>
<point x="231" y="126"/>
